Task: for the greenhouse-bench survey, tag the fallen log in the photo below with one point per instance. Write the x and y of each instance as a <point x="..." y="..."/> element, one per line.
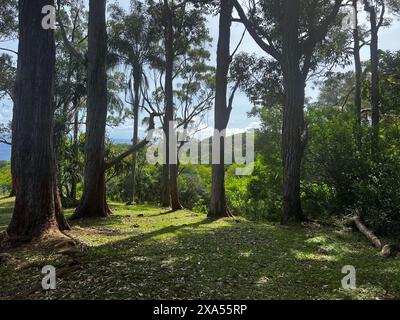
<point x="368" y="233"/>
<point x="386" y="250"/>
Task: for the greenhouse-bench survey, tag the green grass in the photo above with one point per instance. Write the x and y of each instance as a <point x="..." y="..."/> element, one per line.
<point x="183" y="255"/>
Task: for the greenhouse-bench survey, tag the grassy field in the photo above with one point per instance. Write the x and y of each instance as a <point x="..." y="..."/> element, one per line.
<point x="143" y="252"/>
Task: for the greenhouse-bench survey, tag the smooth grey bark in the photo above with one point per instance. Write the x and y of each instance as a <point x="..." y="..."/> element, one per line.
<point x="218" y="206"/>
<point x="374" y="78"/>
<point x="136" y="103"/>
<point x="293" y="115"/>
<point x="93" y="202"/>
<point x="295" y="59"/>
<point x="74" y="181"/>
<point x="357" y="64"/>
<point x="169" y="193"/>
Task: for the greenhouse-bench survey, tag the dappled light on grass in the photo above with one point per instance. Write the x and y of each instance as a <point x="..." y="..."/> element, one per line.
<point x="6" y="205"/>
<point x="300" y="255"/>
<point x="141" y="252"/>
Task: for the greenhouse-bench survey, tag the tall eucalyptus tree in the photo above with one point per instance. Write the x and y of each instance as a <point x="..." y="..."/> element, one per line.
<point x="133" y="38"/>
<point x="290" y="31"/>
<point x="37" y="210"/>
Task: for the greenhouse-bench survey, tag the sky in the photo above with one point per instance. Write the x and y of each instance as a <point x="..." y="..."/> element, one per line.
<point x="239" y="121"/>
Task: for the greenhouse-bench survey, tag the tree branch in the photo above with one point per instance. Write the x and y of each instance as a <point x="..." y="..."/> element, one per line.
<point x="138" y="146"/>
<point x="4" y="141"/>
<point x="319" y="33"/>
<point x="74" y="52"/>
<point x="252" y="31"/>
<point x="9" y="50"/>
<point x="238" y="45"/>
<point x="381" y="18"/>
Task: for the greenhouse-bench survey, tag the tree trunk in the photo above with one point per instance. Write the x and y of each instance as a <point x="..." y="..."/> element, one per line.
<point x="169" y="103"/>
<point x="136" y="103"/>
<point x="13" y="192"/>
<point x="165" y="190"/>
<point x="76" y="154"/>
<point x="367" y="233"/>
<point x="357" y="66"/>
<point x="218" y="207"/>
<point x="374" y="80"/>
<point x="93" y="202"/>
<point x="170" y="194"/>
<point x="293" y="115"/>
<point x="37" y="210"/>
<point x="173" y="172"/>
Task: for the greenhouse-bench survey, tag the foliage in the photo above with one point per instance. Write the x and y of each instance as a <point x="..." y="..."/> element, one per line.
<point x="7" y="76"/>
<point x="119" y="180"/>
<point x="340" y="176"/>
<point x="332" y="159"/>
<point x="8" y="21"/>
<point x="259" y="78"/>
<point x="389" y="82"/>
<point x="72" y="165"/>
<point x="5" y="177"/>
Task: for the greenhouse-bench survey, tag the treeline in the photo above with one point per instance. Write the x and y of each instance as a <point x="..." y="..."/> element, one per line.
<point x="335" y="155"/>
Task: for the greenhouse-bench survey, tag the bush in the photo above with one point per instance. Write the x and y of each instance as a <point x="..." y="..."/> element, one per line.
<point x="193" y="188"/>
<point x="257" y="196"/>
<point x="5" y="177"/>
<point x="379" y="196"/>
<point x="340" y="176"/>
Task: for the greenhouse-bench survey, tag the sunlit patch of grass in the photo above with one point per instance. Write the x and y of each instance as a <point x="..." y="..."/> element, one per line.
<point x="6" y="205"/>
<point x="317" y="240"/>
<point x="313" y="256"/>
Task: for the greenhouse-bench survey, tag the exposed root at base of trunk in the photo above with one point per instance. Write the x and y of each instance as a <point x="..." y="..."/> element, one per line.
<point x="81" y="214"/>
<point x="227" y="214"/>
<point x="52" y="238"/>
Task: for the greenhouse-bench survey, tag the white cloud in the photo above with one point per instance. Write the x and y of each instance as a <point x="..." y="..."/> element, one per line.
<point x="5" y="112"/>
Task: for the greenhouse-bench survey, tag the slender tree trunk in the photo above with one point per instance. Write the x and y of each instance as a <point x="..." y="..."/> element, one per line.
<point x="135" y="138"/>
<point x="37" y="210"/>
<point x="76" y="154"/>
<point x="293" y="115"/>
<point x="175" y="203"/>
<point x="167" y="184"/>
<point x="13" y="192"/>
<point x="218" y="207"/>
<point x="374" y="80"/>
<point x="93" y="202"/>
<point x="136" y="103"/>
<point x="357" y="66"/>
<point x="293" y="147"/>
<point x="165" y="190"/>
<point x="139" y="195"/>
<point x="169" y="99"/>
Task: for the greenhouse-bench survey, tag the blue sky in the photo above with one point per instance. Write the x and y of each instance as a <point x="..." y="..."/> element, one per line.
<point x="389" y="40"/>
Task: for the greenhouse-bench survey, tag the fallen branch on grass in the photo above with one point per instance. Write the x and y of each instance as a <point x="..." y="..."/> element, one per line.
<point x="386" y="250"/>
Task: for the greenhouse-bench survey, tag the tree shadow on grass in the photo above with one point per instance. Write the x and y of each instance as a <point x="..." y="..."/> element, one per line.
<point x="222" y="259"/>
<point x="205" y="260"/>
<point x="6" y="209"/>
